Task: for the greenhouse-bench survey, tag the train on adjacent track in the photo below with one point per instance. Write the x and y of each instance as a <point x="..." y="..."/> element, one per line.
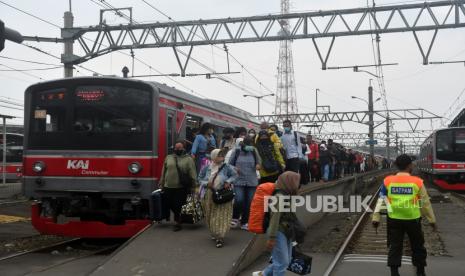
<point x="14" y="157"/>
<point x="94" y="149"/>
<point x="442" y="158"/>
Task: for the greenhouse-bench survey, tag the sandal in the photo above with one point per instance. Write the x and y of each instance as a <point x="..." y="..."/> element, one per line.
<point x="219" y="243"/>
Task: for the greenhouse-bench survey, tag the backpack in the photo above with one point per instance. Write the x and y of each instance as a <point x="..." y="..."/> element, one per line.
<point x="238" y="152"/>
<point x="269" y="163"/>
<point x="258" y="219"/>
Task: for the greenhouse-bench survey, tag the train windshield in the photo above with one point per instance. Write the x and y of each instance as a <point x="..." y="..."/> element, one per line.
<point x="92" y="118"/>
<point x="451" y="145"/>
<point x="14" y="148"/>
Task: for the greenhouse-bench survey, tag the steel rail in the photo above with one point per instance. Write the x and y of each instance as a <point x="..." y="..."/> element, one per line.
<point x="343" y="247"/>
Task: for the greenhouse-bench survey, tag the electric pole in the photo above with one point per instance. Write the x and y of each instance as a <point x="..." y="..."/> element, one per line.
<point x="370" y="121"/>
<point x="68" y="45"/>
<point x="388" y="138"/>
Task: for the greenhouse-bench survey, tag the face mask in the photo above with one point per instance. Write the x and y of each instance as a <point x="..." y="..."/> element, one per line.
<point x="248" y="148"/>
<point x="251" y="134"/>
<point x="287" y="129"/>
<point x="179" y="152"/>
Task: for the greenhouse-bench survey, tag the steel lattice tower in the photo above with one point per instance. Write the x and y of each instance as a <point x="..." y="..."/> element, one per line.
<point x="286" y="99"/>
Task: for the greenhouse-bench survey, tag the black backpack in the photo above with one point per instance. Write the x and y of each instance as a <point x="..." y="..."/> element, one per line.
<point x="269" y="163"/>
<point x="238" y="152"/>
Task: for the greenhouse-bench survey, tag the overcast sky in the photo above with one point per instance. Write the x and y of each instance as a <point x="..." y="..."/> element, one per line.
<point x="408" y="85"/>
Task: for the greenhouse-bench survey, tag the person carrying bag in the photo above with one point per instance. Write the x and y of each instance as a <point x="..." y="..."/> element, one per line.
<point x="216" y="185"/>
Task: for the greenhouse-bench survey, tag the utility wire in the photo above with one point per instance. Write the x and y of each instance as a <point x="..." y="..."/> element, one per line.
<point x="32" y="69"/>
<point x="30" y="14"/>
<point x="225" y="79"/>
<point x="12" y="99"/>
<point x="50" y="23"/>
<point x="216" y="46"/>
<point x="30" y="61"/>
<point x="10" y="102"/>
<point x="19" y="71"/>
<point x="5" y="106"/>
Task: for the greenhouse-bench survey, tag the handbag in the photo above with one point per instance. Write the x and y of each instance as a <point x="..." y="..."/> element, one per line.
<point x="221" y="196"/>
<point x="192" y="211"/>
<point x="300" y="263"/>
<point x="184" y="179"/>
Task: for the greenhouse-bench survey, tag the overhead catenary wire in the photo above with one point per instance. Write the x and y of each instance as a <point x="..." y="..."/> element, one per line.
<point x="31" y="69"/>
<point x="11" y="103"/>
<point x="225" y="79"/>
<point x="106" y="5"/>
<point x="30" y="61"/>
<point x="216" y="46"/>
<point x="22" y="72"/>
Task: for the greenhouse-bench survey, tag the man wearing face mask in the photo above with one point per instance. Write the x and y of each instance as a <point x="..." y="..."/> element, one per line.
<point x="292" y="146"/>
<point x="178" y="178"/>
<point x="246" y="160"/>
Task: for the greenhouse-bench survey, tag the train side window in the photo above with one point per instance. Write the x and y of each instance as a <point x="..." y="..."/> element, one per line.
<point x="170" y="130"/>
<point x="193" y="124"/>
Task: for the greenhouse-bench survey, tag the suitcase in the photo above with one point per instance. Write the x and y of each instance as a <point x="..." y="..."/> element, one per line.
<point x="160" y="206"/>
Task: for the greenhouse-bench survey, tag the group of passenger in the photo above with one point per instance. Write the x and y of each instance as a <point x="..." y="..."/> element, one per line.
<point x="241" y="160"/>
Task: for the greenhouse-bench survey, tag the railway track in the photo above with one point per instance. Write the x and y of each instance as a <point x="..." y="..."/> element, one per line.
<point x="365" y="243"/>
<point x="43" y="259"/>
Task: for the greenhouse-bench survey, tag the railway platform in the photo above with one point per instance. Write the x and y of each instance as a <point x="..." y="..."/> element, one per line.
<point x="160" y="251"/>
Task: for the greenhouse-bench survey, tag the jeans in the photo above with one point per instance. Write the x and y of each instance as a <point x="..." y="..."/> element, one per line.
<point x="242" y="201"/>
<point x="325" y="172"/>
<point x="332" y="171"/>
<point x="281" y="255"/>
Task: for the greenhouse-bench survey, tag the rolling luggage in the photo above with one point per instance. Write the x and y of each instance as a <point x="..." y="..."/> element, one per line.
<point x="160" y="206"/>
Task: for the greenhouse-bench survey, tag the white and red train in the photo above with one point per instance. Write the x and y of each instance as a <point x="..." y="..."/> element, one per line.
<point x="94" y="149"/>
<point x="442" y="158"/>
<point x="14" y="156"/>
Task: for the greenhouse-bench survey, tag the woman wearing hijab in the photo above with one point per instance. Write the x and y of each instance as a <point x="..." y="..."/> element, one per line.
<point x="218" y="175"/>
<point x="280" y="239"/>
<point x="246" y="160"/>
<point x="252" y="134"/>
<point x="272" y="159"/>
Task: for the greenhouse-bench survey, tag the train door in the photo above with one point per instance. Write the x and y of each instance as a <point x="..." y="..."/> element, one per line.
<point x="170" y="130"/>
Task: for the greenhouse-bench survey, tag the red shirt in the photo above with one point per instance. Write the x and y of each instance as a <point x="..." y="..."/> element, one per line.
<point x="314" y="151"/>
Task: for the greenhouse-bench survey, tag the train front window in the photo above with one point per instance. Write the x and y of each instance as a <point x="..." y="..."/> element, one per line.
<point x="48" y="119"/>
<point x="112" y="118"/>
<point x="450" y="145"/>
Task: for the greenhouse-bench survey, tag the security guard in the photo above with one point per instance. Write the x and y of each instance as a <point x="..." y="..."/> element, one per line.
<point x="406" y="200"/>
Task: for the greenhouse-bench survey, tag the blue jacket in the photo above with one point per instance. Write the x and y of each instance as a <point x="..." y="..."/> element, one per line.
<point x="227" y="174"/>
<point x="200" y="144"/>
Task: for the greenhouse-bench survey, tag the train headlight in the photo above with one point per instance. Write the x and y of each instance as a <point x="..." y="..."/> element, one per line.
<point x="38" y="167"/>
<point x="134" y="167"/>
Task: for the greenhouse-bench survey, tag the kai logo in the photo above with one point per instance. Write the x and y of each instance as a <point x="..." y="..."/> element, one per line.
<point x="78" y="164"/>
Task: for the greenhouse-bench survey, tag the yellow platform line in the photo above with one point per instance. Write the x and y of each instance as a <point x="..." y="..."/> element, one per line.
<point x="10" y="219"/>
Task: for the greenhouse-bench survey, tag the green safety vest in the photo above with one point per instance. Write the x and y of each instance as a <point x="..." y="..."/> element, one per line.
<point x="403" y="196"/>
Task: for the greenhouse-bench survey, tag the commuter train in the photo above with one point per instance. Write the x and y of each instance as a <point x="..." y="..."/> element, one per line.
<point x="14" y="157"/>
<point x="94" y="148"/>
<point x="442" y="158"/>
